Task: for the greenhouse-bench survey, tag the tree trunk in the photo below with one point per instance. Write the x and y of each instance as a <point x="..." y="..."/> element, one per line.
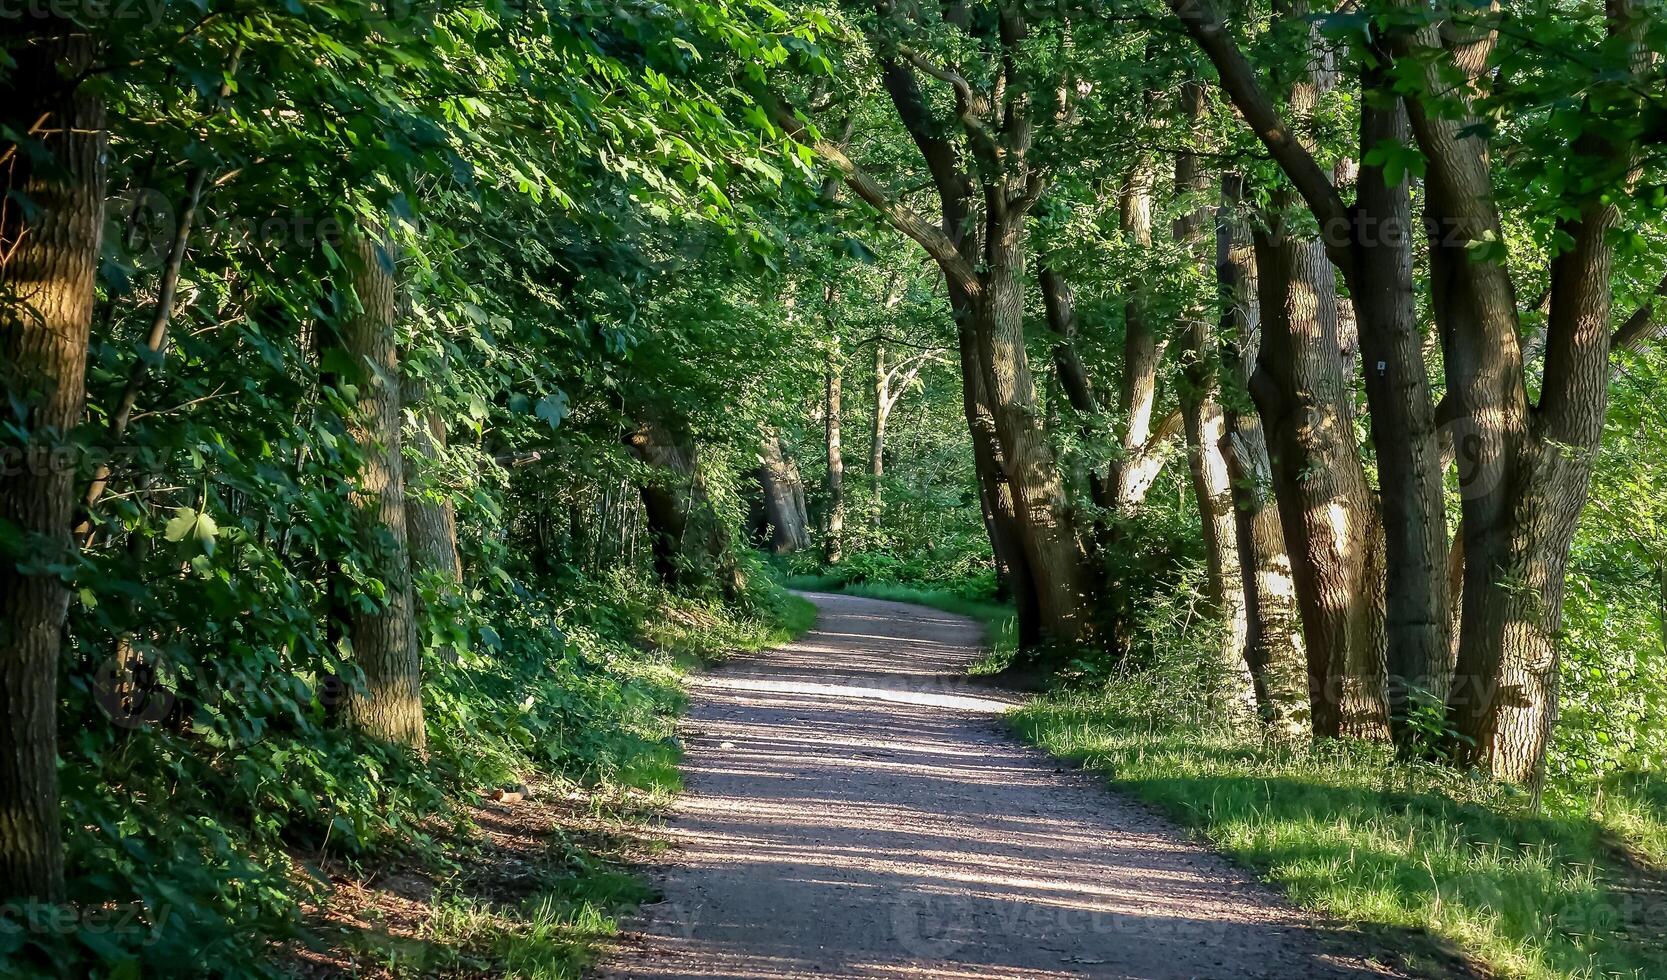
<point x="1057" y="564"/>
<point x="389" y="706"/>
<point x="1330" y="520"/>
<point x="877" y="439"/>
<point x="1142" y="354"/>
<point x="1060" y="307"/>
<point x="1273" y="649"/>
<point x="52" y="249"/>
<point x="1402" y="412"/>
<point x="784" y="499"/>
<point x="1206" y="427"/>
<point x="835" y="540"/>
<point x="429" y="512"/>
<point x="994" y="491"/>
<point x="689" y="542"/>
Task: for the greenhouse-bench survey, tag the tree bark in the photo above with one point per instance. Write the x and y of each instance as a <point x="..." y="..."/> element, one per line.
<point x="389" y="706"/>
<point x="784" y="500"/>
<point x="1057" y="564"/>
<point x="429" y="512"/>
<point x="994" y="491"/>
<point x="877" y="439"/>
<point x="1402" y="412"/>
<point x="834" y="543"/>
<point x="1530" y="468"/>
<point x="52" y="249"/>
<point x="689" y="543"/>
<point x="1206" y="426"/>
<point x="1060" y="308"/>
<point x="1273" y="647"/>
<point x="1330" y="521"/>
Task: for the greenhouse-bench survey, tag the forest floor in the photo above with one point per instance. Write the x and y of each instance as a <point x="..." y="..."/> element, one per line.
<point x="856" y="808"/>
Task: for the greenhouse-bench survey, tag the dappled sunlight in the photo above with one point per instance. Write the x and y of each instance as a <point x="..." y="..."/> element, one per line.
<point x="855" y="809"/>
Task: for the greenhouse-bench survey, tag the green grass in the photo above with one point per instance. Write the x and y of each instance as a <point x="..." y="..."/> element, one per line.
<point x="1345" y="829"/>
<point x="581" y="888"/>
<point x="1000" y="631"/>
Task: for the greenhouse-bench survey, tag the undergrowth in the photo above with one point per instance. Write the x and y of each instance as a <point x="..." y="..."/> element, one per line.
<point x="201" y="832"/>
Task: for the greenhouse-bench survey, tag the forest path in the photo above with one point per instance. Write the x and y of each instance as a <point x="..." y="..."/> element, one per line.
<point x="855" y="809"/>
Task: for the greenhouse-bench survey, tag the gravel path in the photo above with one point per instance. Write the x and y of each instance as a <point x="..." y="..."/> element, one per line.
<point x="854" y="809"/>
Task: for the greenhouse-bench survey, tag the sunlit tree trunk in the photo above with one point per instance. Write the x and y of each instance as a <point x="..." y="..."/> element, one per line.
<point x="1329" y="517"/>
<point x="1142" y="353"/>
<point x="52" y="253"/>
<point x="385" y="648"/>
<point x="877" y="439"/>
<point x="1524" y="470"/>
<point x="1205" y="424"/>
<point x="784" y="498"/>
<point x="834" y="543"/>
<point x="1272" y="644"/>
<point x="1057" y="564"/>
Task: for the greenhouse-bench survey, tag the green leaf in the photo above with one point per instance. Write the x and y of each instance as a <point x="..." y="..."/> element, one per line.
<point x="183" y="521"/>
<point x="552" y="408"/>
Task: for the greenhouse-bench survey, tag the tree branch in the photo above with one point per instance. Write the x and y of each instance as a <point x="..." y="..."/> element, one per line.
<point x="1238" y="80"/>
<point x="1643" y="326"/>
<point x="930" y="236"/>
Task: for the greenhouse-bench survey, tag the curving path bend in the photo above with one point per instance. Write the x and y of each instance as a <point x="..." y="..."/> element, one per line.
<point x="855" y="809"/>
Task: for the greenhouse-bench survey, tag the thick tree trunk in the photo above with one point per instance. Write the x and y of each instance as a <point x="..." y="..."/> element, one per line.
<point x="390" y="705"/>
<point x="784" y="500"/>
<point x="1326" y="507"/>
<point x="1524" y="473"/>
<point x="1273" y="647"/>
<point x="1416" y="626"/>
<point x="834" y="544"/>
<point x="1057" y="565"/>
<point x="52" y="255"/>
<point x="994" y="492"/>
<point x="689" y="543"/>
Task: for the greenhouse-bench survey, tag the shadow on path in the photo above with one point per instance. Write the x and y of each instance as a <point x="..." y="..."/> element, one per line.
<point x="854" y="809"/>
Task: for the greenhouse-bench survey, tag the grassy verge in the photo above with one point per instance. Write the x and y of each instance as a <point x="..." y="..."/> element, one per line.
<point x="1346" y="830"/>
<point x="533" y="890"/>
<point x="1000" y="636"/>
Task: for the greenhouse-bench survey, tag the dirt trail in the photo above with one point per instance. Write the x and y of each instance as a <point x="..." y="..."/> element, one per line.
<point x="854" y="809"/>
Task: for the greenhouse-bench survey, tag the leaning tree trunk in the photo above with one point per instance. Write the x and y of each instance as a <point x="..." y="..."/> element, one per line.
<point x="834" y="544"/>
<point x="52" y="254"/>
<point x="784" y="498"/>
<point x="389" y="705"/>
<point x="1058" y="566"/>
<point x="1330" y="520"/>
<point x="1273" y="648"/>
